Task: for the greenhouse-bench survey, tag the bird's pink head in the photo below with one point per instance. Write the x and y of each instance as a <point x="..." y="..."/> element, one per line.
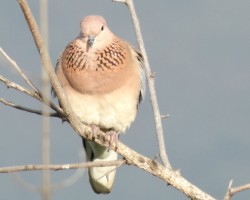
<point x="94" y="29"/>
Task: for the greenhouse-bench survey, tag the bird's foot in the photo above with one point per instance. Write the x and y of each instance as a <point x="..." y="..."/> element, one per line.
<point x="94" y="129"/>
<point x="113" y="138"/>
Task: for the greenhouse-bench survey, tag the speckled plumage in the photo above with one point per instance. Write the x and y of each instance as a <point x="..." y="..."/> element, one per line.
<point x="109" y="58"/>
<point x="103" y="79"/>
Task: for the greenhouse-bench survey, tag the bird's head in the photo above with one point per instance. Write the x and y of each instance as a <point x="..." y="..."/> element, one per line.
<point x="94" y="30"/>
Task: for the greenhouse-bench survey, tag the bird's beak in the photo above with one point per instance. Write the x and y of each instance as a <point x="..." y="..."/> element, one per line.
<point x="91" y="40"/>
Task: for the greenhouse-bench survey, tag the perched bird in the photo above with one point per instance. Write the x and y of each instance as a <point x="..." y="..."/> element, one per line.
<point x="104" y="81"/>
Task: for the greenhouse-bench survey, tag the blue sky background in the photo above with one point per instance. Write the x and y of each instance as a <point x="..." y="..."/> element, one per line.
<point x="199" y="51"/>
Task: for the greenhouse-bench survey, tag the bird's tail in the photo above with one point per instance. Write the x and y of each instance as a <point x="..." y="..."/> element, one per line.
<point x="100" y="178"/>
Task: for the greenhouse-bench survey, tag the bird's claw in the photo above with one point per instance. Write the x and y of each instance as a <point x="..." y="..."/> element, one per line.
<point x="113" y="139"/>
<point x="94" y="129"/>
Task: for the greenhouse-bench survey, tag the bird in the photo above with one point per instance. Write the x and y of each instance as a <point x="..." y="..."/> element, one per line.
<point x="103" y="79"/>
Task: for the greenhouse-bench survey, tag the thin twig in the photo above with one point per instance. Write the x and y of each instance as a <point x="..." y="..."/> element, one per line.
<point x="234" y="190"/>
<point x="38" y="112"/>
<point x="75" y="122"/>
<point x="11" y="84"/>
<point x="165" y="116"/>
<point x="70" y="180"/>
<point x="18" y="69"/>
<point x="46" y="178"/>
<point x="34" y="94"/>
<point x="154" y="102"/>
<point x="57" y="186"/>
<point x="113" y="169"/>
<point x="61" y="166"/>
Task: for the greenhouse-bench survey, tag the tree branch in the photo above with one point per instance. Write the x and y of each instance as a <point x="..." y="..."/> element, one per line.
<point x="57" y="186"/>
<point x="18" y="69"/>
<point x="76" y="124"/>
<point x="46" y="91"/>
<point x="232" y="191"/>
<point x="38" y="112"/>
<point x="35" y="94"/>
<point x="150" y="78"/>
<point x="10" y="84"/>
<point x="61" y="166"/>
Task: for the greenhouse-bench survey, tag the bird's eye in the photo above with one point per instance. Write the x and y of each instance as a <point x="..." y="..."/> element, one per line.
<point x="102" y="28"/>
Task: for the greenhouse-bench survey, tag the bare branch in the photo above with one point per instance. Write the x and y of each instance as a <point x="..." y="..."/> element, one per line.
<point x="70" y="180"/>
<point x="121" y="1"/>
<point x="154" y="102"/>
<point x="18" y="69"/>
<point x="75" y="122"/>
<point x="38" y="112"/>
<point x="56" y="186"/>
<point x="234" y="190"/>
<point x="65" y="183"/>
<point x="16" y="86"/>
<point x="113" y="169"/>
<point x="61" y="166"/>
<point x="165" y="116"/>
<point x="34" y="94"/>
<point x="46" y="177"/>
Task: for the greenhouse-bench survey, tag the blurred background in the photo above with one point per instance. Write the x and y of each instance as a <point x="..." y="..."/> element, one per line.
<point x="199" y="51"/>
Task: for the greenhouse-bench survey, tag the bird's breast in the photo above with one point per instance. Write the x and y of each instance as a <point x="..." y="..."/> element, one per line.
<point x="96" y="72"/>
<point x="115" y="109"/>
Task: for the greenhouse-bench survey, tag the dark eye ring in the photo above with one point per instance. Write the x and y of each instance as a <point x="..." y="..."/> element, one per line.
<point x="102" y="28"/>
